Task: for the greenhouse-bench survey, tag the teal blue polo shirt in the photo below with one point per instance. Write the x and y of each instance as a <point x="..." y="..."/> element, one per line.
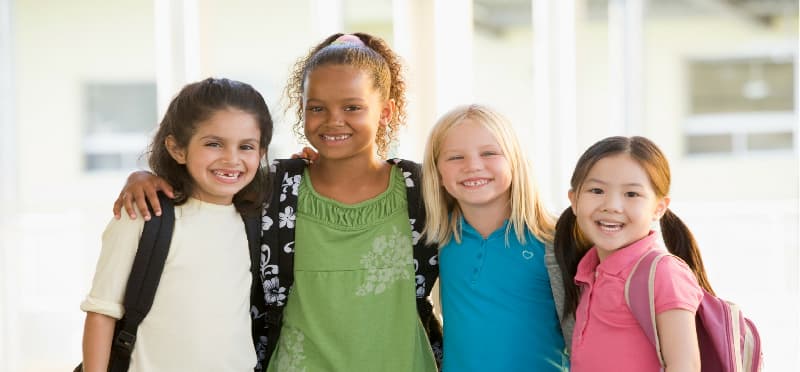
<point x="497" y="305"/>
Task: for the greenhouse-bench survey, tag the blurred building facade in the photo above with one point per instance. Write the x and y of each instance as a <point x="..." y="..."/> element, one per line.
<point x="713" y="82"/>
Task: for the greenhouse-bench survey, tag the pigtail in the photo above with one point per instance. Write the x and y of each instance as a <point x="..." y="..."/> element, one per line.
<point x="680" y="242"/>
<point x="569" y="250"/>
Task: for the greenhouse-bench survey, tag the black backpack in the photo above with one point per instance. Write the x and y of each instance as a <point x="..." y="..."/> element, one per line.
<point x="277" y="257"/>
<point x="148" y="265"/>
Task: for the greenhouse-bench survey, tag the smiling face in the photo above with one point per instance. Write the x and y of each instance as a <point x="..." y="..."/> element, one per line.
<point x="222" y="156"/>
<point x="616" y="204"/>
<point x="473" y="168"/>
<point x="343" y="112"/>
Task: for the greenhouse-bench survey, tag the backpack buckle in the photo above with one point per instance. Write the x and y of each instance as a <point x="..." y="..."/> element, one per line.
<point x="125" y="340"/>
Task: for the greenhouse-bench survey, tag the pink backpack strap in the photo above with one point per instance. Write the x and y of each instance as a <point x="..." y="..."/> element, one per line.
<point x="640" y="296"/>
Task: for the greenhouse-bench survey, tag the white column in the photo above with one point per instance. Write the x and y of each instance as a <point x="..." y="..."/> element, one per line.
<point x="413" y="27"/>
<point x="797" y="157"/>
<point x="9" y="333"/>
<point x="435" y="40"/>
<point x="626" y="88"/>
<point x="453" y="38"/>
<point x="177" y="47"/>
<point x="327" y="17"/>
<point x="554" y="122"/>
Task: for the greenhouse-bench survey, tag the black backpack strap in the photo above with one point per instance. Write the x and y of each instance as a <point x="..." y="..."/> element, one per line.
<point x="142" y="282"/>
<point x="276" y="269"/>
<point x="426" y="257"/>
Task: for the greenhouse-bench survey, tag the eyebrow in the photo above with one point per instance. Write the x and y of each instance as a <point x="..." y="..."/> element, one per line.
<point x="215" y="137"/>
<point x="595" y="180"/>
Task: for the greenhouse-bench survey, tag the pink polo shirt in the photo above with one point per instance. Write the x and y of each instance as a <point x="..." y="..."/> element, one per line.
<point x="607" y="336"/>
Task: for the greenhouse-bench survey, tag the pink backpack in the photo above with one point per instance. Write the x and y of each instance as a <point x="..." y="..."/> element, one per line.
<point x="729" y="342"/>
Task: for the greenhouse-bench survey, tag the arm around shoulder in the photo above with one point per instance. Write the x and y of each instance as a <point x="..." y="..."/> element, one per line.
<point x="140" y="188"/>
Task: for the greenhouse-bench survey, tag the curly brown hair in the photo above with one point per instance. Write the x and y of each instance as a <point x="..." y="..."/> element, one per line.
<point x="375" y="57"/>
<point x="195" y="103"/>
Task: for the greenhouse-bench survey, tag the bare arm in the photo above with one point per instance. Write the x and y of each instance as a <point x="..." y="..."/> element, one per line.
<point x="141" y="187"/>
<point x="98" y="332"/>
<point x="678" y="338"/>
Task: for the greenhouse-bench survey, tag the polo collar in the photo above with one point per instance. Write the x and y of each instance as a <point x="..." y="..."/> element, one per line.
<point x="616" y="262"/>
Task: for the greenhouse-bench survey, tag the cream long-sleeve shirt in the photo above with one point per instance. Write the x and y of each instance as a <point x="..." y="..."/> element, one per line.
<point x="200" y="317"/>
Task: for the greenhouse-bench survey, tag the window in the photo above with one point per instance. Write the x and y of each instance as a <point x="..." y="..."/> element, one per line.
<point x="119" y="119"/>
<point x="741" y="105"/>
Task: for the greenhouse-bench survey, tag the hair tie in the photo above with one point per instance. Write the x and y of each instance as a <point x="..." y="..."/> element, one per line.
<point x="348" y="39"/>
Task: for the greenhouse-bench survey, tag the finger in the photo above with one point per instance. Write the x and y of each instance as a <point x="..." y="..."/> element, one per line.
<point x="117" y="207"/>
<point x="141" y="203"/>
<point x="125" y="200"/>
<point x="152" y="197"/>
<point x="166" y="188"/>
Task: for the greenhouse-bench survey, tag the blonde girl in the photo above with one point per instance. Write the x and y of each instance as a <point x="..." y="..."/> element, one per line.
<point x="501" y="289"/>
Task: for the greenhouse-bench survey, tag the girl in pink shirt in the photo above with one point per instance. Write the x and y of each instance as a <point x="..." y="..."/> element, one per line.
<point x="619" y="188"/>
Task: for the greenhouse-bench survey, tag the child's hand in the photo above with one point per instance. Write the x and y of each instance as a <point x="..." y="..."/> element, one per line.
<point x="306" y="153"/>
<point x="140" y="188"/>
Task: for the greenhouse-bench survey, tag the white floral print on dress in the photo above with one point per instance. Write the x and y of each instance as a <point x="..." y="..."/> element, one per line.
<point x="386" y="263"/>
<point x="290" y="354"/>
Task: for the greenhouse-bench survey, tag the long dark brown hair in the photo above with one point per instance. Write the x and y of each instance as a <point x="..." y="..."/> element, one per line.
<point x="570" y="243"/>
<point x="193" y="104"/>
<point x="375" y="58"/>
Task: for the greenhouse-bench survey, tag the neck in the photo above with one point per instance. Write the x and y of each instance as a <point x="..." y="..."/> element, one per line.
<point x="487" y="220"/>
<point x="351" y="180"/>
<point x="345" y="171"/>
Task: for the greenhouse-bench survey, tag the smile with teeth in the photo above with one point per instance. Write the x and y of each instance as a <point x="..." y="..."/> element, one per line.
<point x="475" y="182"/>
<point x="227" y="174"/>
<point x="610" y="226"/>
<point x="337" y="137"/>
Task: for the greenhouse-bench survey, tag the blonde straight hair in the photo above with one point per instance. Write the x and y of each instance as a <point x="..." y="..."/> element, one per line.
<point x="443" y="211"/>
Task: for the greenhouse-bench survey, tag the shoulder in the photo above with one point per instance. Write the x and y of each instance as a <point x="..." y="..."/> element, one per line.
<point x="124" y="228"/>
<point x="676" y="286"/>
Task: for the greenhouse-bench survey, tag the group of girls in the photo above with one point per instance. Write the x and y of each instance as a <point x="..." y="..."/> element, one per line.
<point x="514" y="282"/>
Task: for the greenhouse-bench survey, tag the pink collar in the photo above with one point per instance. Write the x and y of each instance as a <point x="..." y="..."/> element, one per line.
<point x="615" y="263"/>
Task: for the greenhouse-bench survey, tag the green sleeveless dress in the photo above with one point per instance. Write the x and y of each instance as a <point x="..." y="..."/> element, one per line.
<point x="353" y="303"/>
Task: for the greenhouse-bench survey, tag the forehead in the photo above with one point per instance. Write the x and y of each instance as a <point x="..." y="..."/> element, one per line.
<point x="619" y="169"/>
<point x="334" y="79"/>
<point x="229" y="123"/>
<point x="467" y="133"/>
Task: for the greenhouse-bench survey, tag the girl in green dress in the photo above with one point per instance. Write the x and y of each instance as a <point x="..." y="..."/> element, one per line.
<point x="353" y="305"/>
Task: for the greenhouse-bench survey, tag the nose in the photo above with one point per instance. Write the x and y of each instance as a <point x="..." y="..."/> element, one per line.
<point x="612" y="203"/>
<point x="231" y="155"/>
<point x="335" y="118"/>
<point x="473" y="163"/>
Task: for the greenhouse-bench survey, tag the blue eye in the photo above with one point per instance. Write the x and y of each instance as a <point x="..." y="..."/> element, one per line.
<point x="213" y="144"/>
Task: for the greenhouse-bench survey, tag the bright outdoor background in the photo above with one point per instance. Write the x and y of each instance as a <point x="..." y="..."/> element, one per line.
<point x="713" y="82"/>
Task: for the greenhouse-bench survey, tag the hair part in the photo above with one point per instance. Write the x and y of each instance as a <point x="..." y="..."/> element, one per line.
<point x="195" y="103"/>
<point x="375" y="58"/>
<point x="442" y="210"/>
<point x="570" y="243"/>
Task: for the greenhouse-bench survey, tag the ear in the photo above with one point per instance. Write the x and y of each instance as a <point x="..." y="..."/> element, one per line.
<point x="573" y="201"/>
<point x="387" y="112"/>
<point x="661" y="208"/>
<point x="178" y="153"/>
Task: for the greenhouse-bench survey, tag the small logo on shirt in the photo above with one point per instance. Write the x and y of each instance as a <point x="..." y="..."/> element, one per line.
<point x="526" y="254"/>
